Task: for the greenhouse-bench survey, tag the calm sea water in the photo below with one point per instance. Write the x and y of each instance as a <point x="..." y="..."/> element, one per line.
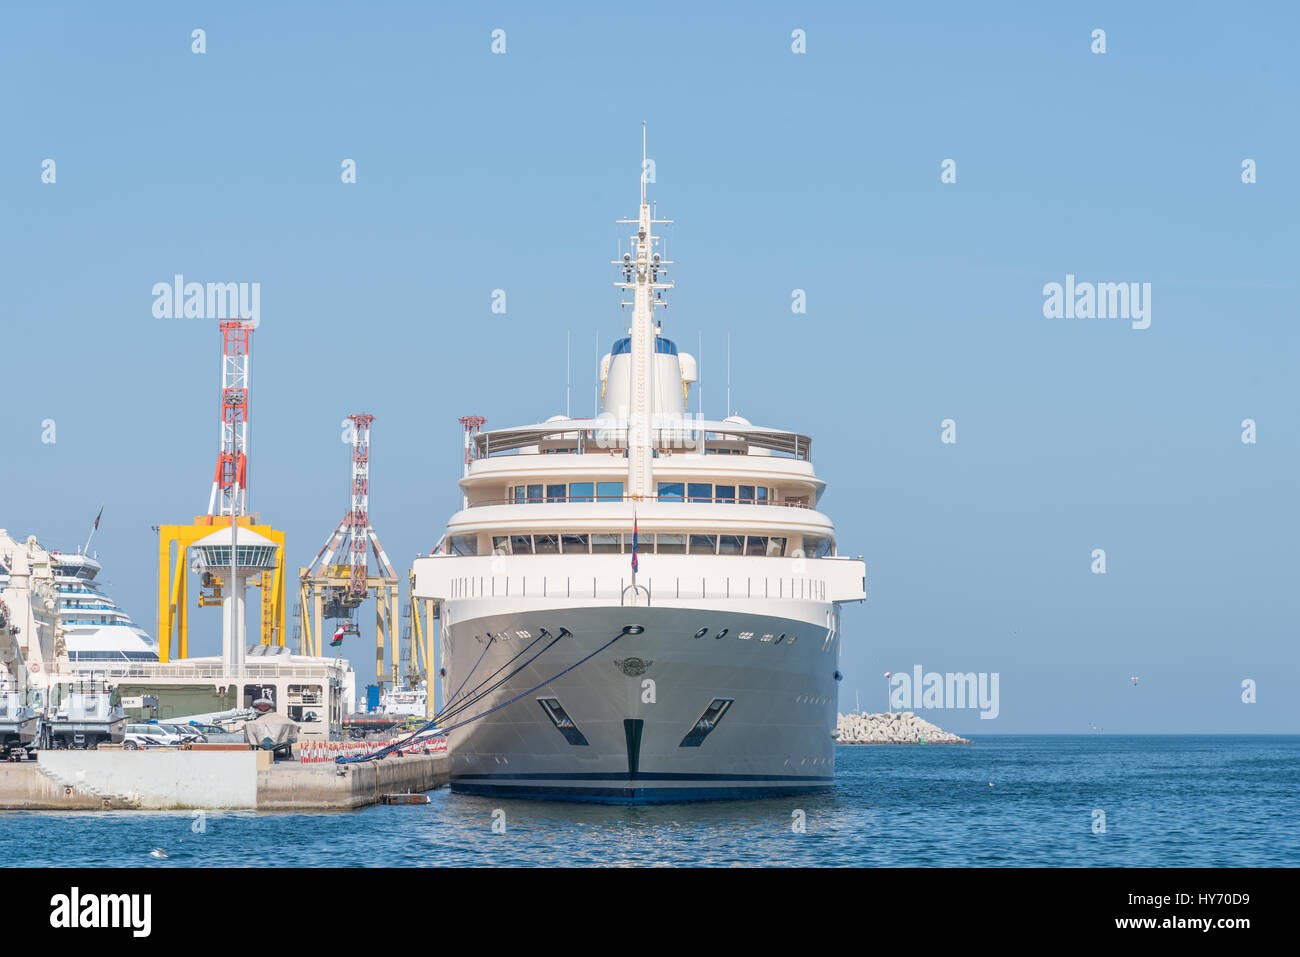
<point x="1168" y="801"/>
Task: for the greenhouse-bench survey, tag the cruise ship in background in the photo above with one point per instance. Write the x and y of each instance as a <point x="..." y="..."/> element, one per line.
<point x="96" y="632"/>
<point x="644" y="606"/>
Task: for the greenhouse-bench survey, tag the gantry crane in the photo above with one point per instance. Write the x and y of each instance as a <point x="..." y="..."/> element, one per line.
<point x="334" y="590"/>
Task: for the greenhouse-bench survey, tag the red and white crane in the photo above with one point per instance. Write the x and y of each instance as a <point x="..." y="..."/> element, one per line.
<point x="230" y="481"/>
<point x="338" y="579"/>
<point x="355" y="536"/>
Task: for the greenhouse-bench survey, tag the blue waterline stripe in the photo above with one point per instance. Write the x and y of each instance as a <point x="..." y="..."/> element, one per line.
<point x="638" y="776"/>
<point x="660" y="795"/>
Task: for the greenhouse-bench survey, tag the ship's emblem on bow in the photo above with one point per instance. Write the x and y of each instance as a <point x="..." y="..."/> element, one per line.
<point x="632" y="667"/>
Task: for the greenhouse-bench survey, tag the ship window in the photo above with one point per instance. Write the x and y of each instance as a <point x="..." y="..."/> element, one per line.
<point x="700" y="491"/>
<point x="555" y="493"/>
<point x="580" y="491"/>
<point x="500" y="544"/>
<point x="665" y="347"/>
<point x="534" y="493"/>
<point x="747" y="493"/>
<point x="731" y="544"/>
<point x="816" y="546"/>
<point x="546" y="544"/>
<point x="521" y="493"/>
<point x="724" y="493"/>
<point x="609" y="491"/>
<point x="756" y="545"/>
<point x="521" y="544"/>
<point x="464" y="544"/>
<point x="606" y="544"/>
<point x="761" y="497"/>
<point x="704" y="544"/>
<point x="560" y="718"/>
<point x="574" y="543"/>
<point x="775" y="547"/>
<point x="671" y="491"/>
<point x="708" y="721"/>
<point x="671" y="544"/>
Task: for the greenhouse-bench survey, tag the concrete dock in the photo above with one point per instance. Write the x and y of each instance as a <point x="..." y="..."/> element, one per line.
<point x="173" y="779"/>
<point x="288" y="785"/>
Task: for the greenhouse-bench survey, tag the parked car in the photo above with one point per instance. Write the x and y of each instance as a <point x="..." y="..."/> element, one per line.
<point x="140" y="736"/>
<point x="216" y="734"/>
<point x="187" y="733"/>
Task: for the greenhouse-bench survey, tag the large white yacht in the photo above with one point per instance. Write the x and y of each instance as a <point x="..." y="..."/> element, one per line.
<point x="643" y="606"/>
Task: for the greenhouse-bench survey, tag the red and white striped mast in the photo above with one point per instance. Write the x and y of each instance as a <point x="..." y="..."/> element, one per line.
<point x="230" y="481"/>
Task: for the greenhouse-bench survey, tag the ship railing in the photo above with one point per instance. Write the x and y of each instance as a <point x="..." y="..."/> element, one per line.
<point x="666" y="438"/>
<point x="692" y="499"/>
<point x="181" y="669"/>
<point x="649" y="589"/>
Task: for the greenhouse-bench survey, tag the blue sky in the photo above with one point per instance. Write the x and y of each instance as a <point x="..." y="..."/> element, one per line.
<point x="819" y="172"/>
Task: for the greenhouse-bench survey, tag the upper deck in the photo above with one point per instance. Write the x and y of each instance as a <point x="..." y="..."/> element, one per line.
<point x="669" y="434"/>
<point x="738" y="461"/>
<point x="727" y="487"/>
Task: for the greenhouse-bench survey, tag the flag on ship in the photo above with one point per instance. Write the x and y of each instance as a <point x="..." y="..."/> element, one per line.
<point x="338" y="635"/>
<point x="634" y="543"/>
<point x="95" y="527"/>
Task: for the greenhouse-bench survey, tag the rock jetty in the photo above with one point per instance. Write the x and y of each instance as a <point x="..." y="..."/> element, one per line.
<point x="900" y="727"/>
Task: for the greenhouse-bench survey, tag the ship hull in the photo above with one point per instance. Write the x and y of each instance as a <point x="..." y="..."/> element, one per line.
<point x="638" y="720"/>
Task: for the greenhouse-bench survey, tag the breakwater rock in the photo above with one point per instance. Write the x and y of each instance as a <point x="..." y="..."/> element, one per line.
<point x="900" y="727"/>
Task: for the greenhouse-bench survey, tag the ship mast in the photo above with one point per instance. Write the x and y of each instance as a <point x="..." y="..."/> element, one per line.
<point x="641" y="275"/>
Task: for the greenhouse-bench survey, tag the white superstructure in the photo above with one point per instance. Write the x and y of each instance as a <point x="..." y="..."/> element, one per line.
<point x="703" y="666"/>
<point x="409" y="702"/>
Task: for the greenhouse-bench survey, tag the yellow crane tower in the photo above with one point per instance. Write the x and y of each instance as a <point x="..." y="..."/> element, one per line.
<point x="229" y="497"/>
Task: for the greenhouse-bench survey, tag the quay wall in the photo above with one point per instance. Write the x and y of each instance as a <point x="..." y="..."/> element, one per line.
<point x="213" y="779"/>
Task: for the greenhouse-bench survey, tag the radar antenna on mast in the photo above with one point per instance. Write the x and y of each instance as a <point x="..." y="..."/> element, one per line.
<point x="644" y="275"/>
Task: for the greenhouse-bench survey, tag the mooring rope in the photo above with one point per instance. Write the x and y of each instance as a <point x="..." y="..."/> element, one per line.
<point x="399" y="745"/>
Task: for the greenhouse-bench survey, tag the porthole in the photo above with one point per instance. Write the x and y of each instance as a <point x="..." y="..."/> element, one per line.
<point x="701" y="633"/>
<point x="720" y="634"/>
